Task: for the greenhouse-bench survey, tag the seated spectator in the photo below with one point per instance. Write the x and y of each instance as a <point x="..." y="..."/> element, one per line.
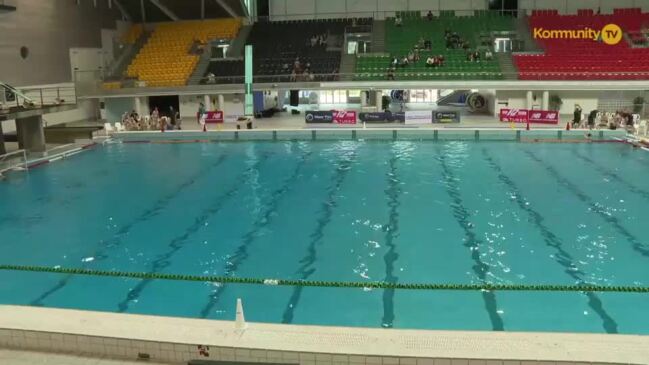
<point x="395" y="62"/>
<point x="429" y="16"/>
<point x="398" y="21"/>
<point x="476" y="56"/>
<point x="469" y="56"/>
<point x="314" y="41"/>
<point x="428" y="45"/>
<point x="447" y="33"/>
<point x="488" y="56"/>
<point x="404" y="62"/>
<point x="211" y="78"/>
<point x="430" y="62"/>
<point x="411" y="57"/>
<point x="421" y="43"/>
<point x="391" y="73"/>
<point x="440" y="60"/>
<point x="417" y="56"/>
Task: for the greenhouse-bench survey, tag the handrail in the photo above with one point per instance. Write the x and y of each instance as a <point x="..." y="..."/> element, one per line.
<point x="331" y="284"/>
<point x="13" y="167"/>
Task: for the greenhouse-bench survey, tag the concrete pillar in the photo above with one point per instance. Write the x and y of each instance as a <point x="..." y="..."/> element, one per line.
<point x="31" y="136"/>
<point x="379" y="100"/>
<point x="221" y="102"/>
<point x="207" y="102"/>
<point x="530" y="100"/>
<point x="364" y="97"/>
<point x="137" y="105"/>
<point x="545" y="103"/>
<point x="3" y="150"/>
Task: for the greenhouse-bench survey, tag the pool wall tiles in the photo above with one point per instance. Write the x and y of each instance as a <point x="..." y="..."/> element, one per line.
<point x="175" y="353"/>
<point x="373" y="134"/>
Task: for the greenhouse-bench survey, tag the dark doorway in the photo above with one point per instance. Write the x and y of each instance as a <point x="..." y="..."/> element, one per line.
<point x="505" y="7"/>
<point x="164" y="103"/>
<point x="263" y="8"/>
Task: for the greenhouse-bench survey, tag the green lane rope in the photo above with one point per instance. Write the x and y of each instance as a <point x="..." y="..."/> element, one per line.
<point x="329" y="284"/>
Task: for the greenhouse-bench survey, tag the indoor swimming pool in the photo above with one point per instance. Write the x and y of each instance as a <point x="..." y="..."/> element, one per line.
<point x="354" y="211"/>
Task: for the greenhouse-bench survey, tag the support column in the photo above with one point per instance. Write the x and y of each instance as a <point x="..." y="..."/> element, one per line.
<point x="221" y="102"/>
<point x="364" y="97"/>
<point x="530" y="100"/>
<point x="207" y="102"/>
<point x="137" y="105"/>
<point x="378" y="94"/>
<point x="31" y="136"/>
<point x="3" y="150"/>
<point x="545" y="102"/>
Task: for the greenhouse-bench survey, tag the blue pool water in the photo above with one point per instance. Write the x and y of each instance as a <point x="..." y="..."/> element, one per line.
<point x="409" y="212"/>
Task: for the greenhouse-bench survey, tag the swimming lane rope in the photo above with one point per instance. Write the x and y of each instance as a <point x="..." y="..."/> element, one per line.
<point x="329" y="284"/>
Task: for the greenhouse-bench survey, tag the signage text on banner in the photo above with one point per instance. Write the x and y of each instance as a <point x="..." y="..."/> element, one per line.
<point x="532" y="116"/>
<point x="419" y="117"/>
<point x="344" y="117"/>
<point x="446" y="117"/>
<point x="211" y="117"/>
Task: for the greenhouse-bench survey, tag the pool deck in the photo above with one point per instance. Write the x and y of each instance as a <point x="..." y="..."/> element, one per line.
<point x="177" y="340"/>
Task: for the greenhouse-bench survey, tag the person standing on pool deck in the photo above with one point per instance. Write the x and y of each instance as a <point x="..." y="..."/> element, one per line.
<point x="576" y="119"/>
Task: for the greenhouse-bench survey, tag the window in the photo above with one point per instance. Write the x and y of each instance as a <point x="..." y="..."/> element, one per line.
<point x="333" y="96"/>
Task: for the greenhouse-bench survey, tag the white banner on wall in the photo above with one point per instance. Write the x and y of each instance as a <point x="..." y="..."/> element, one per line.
<point x="419" y="117"/>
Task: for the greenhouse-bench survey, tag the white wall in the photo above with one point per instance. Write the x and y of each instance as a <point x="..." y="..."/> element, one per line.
<point x="49" y="29"/>
<point x="588" y="99"/>
<point x="233" y="106"/>
<point x="115" y="107"/>
<point x="107" y="46"/>
<point x="86" y="59"/>
<point x="305" y="9"/>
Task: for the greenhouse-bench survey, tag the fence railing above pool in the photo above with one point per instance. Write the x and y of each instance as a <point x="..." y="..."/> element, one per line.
<point x="331" y="284"/>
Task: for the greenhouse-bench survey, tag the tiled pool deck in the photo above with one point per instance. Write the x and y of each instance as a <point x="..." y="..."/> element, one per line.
<point x="178" y="340"/>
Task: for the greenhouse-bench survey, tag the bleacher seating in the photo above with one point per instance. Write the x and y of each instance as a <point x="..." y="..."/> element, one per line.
<point x="401" y="40"/>
<point x="165" y="59"/>
<point x="584" y="59"/>
<point x="278" y="44"/>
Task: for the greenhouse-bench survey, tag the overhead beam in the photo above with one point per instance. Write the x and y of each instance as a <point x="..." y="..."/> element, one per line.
<point x="121" y="9"/>
<point x="165" y="10"/>
<point x="227" y="8"/>
<point x="246" y="13"/>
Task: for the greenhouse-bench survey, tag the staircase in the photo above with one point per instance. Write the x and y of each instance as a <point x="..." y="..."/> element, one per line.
<point x="347" y="66"/>
<point x="118" y="68"/>
<point x="239" y="43"/>
<point x="378" y="36"/>
<point x="201" y="67"/>
<point x="454" y="98"/>
<point x="505" y="60"/>
<point x="525" y="35"/>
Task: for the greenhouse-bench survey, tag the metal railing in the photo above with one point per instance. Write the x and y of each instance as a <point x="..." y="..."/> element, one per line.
<point x="16" y="160"/>
<point x="92" y="84"/>
<point x="382" y="15"/>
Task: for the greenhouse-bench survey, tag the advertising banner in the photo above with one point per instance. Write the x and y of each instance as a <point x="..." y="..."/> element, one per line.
<point x="544" y="116"/>
<point x="344" y="117"/>
<point x="373" y="117"/>
<point x="513" y="115"/>
<point x="446" y="117"/>
<point x="419" y="117"/>
<point x="382" y="117"/>
<point x="319" y="116"/>
<point x="533" y="116"/>
<point x="214" y="117"/>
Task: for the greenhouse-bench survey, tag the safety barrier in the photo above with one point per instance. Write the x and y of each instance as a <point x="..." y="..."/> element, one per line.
<point x="330" y="284"/>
